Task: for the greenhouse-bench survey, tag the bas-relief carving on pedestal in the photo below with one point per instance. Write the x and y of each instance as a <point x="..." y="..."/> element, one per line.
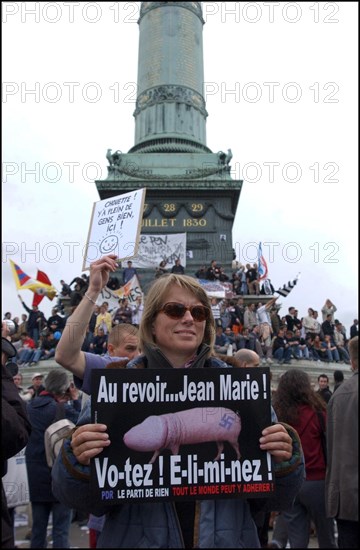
<point x="126" y="169"/>
<point x="133" y="171"/>
<point x="119" y="186"/>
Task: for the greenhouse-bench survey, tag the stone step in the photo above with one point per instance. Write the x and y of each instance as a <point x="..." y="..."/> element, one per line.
<point x="313" y="369"/>
<point x="43" y="367"/>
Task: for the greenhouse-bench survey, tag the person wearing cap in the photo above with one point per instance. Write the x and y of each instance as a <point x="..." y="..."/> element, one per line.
<point x="47" y="407"/>
<point x="37" y="384"/>
<point x="15" y="431"/>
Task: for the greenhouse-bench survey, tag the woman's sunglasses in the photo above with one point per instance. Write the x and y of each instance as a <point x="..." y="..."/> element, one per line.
<point x="177" y="311"/>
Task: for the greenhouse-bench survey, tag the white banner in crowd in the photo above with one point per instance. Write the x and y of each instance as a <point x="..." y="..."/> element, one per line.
<point x="131" y="291"/>
<point x="215" y="289"/>
<point x="155" y="248"/>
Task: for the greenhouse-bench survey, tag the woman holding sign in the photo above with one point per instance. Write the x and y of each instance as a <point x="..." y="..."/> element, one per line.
<point x="177" y="332"/>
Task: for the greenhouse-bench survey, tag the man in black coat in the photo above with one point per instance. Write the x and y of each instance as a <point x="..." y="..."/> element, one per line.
<point x="328" y="327"/>
<point x="55" y="322"/>
<point x="36" y="321"/>
<point x="354" y="331"/>
<point x="177" y="267"/>
<point x="15" y="432"/>
<point x="324" y="390"/>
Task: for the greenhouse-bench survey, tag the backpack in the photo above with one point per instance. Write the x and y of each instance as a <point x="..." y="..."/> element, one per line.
<point x="55" y="434"/>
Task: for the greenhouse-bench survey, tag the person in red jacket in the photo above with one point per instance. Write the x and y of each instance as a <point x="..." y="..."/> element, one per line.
<point x="297" y="404"/>
<point x="26" y="350"/>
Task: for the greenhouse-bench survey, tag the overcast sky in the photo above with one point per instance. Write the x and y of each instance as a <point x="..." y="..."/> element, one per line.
<point x="281" y="88"/>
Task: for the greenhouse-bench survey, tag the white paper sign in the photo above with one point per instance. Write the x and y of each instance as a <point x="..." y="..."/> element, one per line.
<point x="155" y="248"/>
<point x="115" y="227"/>
<point x="15" y="482"/>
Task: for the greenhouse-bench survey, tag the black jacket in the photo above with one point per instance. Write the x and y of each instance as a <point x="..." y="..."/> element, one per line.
<point x="15" y="433"/>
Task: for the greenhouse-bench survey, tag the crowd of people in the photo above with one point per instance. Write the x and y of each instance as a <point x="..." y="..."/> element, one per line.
<point x="176" y="326"/>
<point x="38" y="342"/>
<point x="259" y="327"/>
<point x="255" y="326"/>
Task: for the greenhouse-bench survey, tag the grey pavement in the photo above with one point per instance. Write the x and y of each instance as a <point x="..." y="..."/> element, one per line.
<point x="79" y="534"/>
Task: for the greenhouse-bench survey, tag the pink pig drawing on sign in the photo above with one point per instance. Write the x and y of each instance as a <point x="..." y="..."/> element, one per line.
<point x="199" y="425"/>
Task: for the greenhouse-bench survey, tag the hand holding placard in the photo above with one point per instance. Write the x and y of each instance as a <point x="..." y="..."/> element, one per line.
<point x="115" y="227"/>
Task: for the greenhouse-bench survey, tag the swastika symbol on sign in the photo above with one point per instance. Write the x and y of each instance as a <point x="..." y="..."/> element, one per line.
<point x="227" y="421"/>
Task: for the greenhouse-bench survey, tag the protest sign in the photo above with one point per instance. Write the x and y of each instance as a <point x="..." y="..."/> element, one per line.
<point x="181" y="434"/>
<point x="115" y="227"/>
<point x="154" y="249"/>
<point x="217" y="289"/>
<point x="109" y="296"/>
<point x="229" y="293"/>
<point x="213" y="289"/>
<point x="131" y="290"/>
<point x="15" y="481"/>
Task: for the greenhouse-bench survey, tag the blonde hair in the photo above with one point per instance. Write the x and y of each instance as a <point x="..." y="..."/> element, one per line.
<point x="155" y="300"/>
